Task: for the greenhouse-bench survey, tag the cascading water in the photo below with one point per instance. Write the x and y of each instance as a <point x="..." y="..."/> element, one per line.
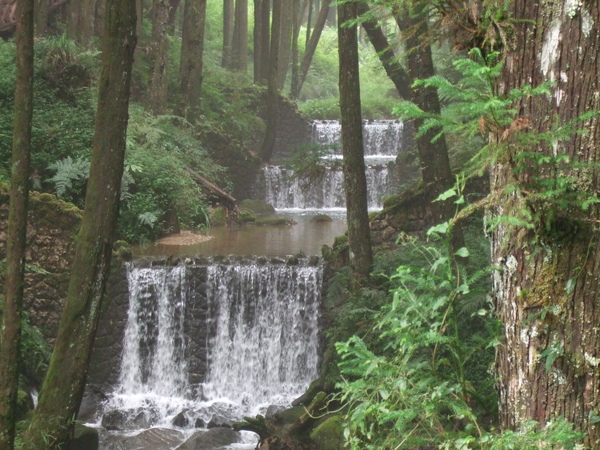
<point x="285" y="191"/>
<point x="210" y="342"/>
<point x="380" y="137"/>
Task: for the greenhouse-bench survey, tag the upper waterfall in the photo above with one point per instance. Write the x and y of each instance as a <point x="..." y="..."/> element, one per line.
<point x="380" y="137"/>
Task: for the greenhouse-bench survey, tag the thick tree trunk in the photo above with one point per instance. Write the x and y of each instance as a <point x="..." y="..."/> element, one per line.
<point x="63" y="386"/>
<point x="435" y="163"/>
<point x="547" y="292"/>
<point x="228" y="14"/>
<point x="192" y="49"/>
<point x="239" y="54"/>
<point x="355" y="181"/>
<point x="312" y="46"/>
<point x="10" y="337"/>
<point x="157" y="96"/>
<point x="268" y="144"/>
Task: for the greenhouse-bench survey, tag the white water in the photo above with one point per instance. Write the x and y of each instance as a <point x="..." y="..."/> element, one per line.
<point x="261" y="331"/>
<point x="380" y="137"/>
<point x="284" y="191"/>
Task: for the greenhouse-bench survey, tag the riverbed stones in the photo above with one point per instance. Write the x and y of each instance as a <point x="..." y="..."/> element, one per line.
<point x="213" y="439"/>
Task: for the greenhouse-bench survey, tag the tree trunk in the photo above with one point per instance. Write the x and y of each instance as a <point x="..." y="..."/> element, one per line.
<point x="268" y="144"/>
<point x="240" y="37"/>
<point x="41" y="10"/>
<point x="435" y="163"/>
<point x="388" y="58"/>
<point x="285" y="46"/>
<point x="312" y="46"/>
<point x="308" y="25"/>
<point x="257" y="36"/>
<point x="265" y="45"/>
<point x="190" y="67"/>
<point x="157" y="96"/>
<point x="355" y="181"/>
<point x="546" y="293"/>
<point x="228" y="15"/>
<point x="63" y="386"/>
<point x="10" y="337"/>
<point x="82" y="15"/>
<point x="297" y="21"/>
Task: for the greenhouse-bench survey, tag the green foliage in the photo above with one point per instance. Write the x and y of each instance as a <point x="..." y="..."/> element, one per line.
<point x="158" y="189"/>
<point x="70" y="177"/>
<point x="313" y="161"/>
<point x="550" y="183"/>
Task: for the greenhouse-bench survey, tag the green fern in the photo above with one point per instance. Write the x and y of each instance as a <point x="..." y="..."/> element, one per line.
<point x="69" y="174"/>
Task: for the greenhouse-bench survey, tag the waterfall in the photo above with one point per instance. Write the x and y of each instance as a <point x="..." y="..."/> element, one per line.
<point x="210" y="342"/>
<point x="284" y="191"/>
<point x="380" y="137"/>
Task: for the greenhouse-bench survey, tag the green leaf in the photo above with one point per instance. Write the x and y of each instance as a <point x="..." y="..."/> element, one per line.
<point x="440" y="228"/>
<point x="446" y="195"/>
<point x="462" y="252"/>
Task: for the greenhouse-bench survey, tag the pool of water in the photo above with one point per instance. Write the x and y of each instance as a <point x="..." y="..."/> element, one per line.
<point x="306" y="236"/>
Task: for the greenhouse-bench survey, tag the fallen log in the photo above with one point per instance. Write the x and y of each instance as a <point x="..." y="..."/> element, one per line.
<point x="229" y="201"/>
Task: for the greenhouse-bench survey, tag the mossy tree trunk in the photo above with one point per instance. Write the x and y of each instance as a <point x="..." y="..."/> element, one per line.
<point x="547" y="291"/>
<point x="157" y="96"/>
<point x="10" y="337"/>
<point x="82" y="16"/>
<point x="192" y="49"/>
<point x="257" y="37"/>
<point x="355" y="181"/>
<point x="285" y="44"/>
<point x="268" y="143"/>
<point x="63" y="386"/>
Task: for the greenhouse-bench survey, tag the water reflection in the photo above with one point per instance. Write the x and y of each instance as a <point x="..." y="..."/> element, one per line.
<point x="305" y="236"/>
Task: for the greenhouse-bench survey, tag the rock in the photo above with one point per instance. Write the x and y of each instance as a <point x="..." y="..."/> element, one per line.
<point x="119" y="420"/>
<point x="212" y="439"/>
<point x="258" y="207"/>
<point x="329" y="434"/>
<point x="321" y="218"/>
<point x="84" y="438"/>
<point x="154" y="439"/>
<point x="181" y="420"/>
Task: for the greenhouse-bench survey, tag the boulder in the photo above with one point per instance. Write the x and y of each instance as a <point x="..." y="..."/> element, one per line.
<point x="213" y="439"/>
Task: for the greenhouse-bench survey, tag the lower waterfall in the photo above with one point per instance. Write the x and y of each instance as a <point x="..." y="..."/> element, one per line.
<point x="211" y="341"/>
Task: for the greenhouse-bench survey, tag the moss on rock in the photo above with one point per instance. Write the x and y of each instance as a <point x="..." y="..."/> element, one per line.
<point x="258" y="207"/>
<point x="329" y="434"/>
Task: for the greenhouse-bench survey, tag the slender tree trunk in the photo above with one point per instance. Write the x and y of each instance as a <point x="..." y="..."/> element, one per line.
<point x="240" y="37"/>
<point x="10" y="337"/>
<point x="388" y="58"/>
<point x="63" y="386"/>
<point x="285" y="46"/>
<point x="355" y="181"/>
<point x="297" y="20"/>
<point x="228" y="14"/>
<point x="268" y="144"/>
<point x="546" y="293"/>
<point x="265" y="45"/>
<point x="435" y="163"/>
<point x="82" y="15"/>
<point x="257" y="35"/>
<point x="41" y="10"/>
<point x="308" y="25"/>
<point x="192" y="49"/>
<point x="312" y="46"/>
<point x="157" y="96"/>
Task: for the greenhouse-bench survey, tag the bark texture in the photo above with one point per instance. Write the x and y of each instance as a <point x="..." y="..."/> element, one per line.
<point x="63" y="386"/>
<point x="355" y="182"/>
<point x="192" y="49"/>
<point x="10" y="337"/>
<point x="547" y="292"/>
